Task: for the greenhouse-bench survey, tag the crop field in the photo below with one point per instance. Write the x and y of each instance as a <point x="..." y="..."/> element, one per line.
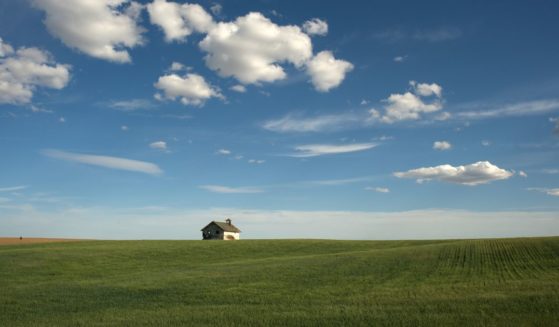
<point x="496" y="282"/>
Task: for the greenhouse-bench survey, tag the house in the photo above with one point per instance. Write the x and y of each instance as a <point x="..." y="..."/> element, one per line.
<point x="218" y="230"/>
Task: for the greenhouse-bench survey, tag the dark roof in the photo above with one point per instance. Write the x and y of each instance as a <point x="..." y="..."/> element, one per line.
<point x="224" y="226"/>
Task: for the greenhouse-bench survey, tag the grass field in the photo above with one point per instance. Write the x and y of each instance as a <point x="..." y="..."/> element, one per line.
<point x="502" y="282"/>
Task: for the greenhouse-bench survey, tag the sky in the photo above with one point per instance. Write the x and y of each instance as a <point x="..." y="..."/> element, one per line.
<point x="357" y="120"/>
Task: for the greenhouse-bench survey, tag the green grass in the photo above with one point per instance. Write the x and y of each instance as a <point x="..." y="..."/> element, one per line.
<point x="501" y="282"/>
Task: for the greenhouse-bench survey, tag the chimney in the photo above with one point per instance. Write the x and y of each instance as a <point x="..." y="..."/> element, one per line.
<point x="228" y="221"/>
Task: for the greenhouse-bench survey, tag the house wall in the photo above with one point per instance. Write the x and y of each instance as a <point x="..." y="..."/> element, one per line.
<point x="215" y="232"/>
<point x="234" y="235"/>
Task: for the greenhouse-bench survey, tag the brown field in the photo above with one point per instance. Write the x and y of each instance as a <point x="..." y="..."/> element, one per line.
<point x="31" y="240"/>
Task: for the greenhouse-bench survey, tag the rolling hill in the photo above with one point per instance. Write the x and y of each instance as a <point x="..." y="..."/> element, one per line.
<point x="495" y="282"/>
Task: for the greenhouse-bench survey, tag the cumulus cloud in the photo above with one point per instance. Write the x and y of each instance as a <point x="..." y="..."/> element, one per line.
<point x="223" y="152"/>
<point x="481" y="172"/>
<point x="105" y="161"/>
<point x="159" y="145"/>
<point x="293" y="123"/>
<point x="412" y="104"/>
<point x="179" y="21"/>
<point x="315" y="26"/>
<point x="314" y="150"/>
<point x="103" y="29"/>
<point x="230" y="190"/>
<point x="192" y="89"/>
<point x="239" y="88"/>
<point x="522" y="174"/>
<point x="22" y="71"/>
<point x="326" y="71"/>
<point x="251" y="48"/>
<point x="442" y="145"/>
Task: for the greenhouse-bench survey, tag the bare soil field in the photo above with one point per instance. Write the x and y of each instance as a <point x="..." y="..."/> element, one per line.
<point x="31" y="240"/>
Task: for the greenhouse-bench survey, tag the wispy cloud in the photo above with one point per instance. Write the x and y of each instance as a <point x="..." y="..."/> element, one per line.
<point x="378" y="189"/>
<point x="548" y="191"/>
<point x="105" y="161"/>
<point x="13" y="188"/>
<point x="439" y="34"/>
<point x="230" y="190"/>
<point x="297" y="124"/>
<point x="314" y="150"/>
<point x="513" y="110"/>
<point x="431" y="35"/>
<point x="132" y="105"/>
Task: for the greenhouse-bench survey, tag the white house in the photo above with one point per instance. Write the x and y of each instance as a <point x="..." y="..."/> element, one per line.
<point x="218" y="230"/>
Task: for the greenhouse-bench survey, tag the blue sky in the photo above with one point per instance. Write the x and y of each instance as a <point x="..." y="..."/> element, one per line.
<point x="381" y="120"/>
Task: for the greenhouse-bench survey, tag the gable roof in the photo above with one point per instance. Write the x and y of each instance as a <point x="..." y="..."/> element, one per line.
<point x="224" y="226"/>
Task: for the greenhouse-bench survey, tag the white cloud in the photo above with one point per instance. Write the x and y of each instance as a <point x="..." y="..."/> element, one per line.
<point x="62" y="119"/>
<point x="13" y="188"/>
<point x="522" y="174"/>
<point x="131" y="105"/>
<point x="425" y="90"/>
<point x="485" y="143"/>
<point x="224" y="152"/>
<point x="252" y="47"/>
<point x="326" y="71"/>
<point x="442" y="145"/>
<point x="314" y="150"/>
<point x="292" y="123"/>
<point x="481" y="172"/>
<point x="411" y="105"/>
<point x="39" y="109"/>
<point x="103" y="29"/>
<point x="177" y="66"/>
<point x="315" y="26"/>
<point x="124" y="128"/>
<point x="443" y="116"/>
<point x="179" y="21"/>
<point x="22" y="71"/>
<point x="400" y="58"/>
<point x="105" y="161"/>
<point x="216" y="9"/>
<point x="256" y="161"/>
<point x="5" y="49"/>
<point x="548" y="191"/>
<point x="378" y="189"/>
<point x="239" y="88"/>
<point x="159" y="145"/>
<point x="514" y="110"/>
<point x="230" y="190"/>
<point x="192" y="89"/>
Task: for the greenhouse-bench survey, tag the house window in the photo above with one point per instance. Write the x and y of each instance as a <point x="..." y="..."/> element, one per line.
<point x="217" y="232"/>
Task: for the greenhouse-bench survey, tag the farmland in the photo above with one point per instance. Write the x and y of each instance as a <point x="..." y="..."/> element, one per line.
<point x="495" y="282"/>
